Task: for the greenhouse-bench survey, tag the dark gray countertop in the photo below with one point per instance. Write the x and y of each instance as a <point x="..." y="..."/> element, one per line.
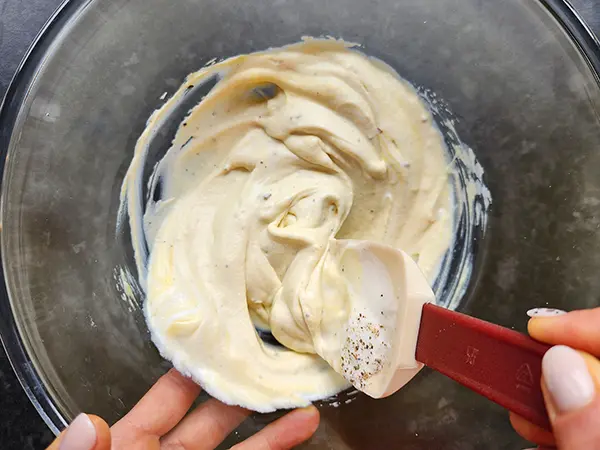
<point x="20" y="21"/>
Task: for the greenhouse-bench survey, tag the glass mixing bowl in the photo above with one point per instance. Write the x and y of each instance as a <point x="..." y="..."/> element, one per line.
<point x="521" y="78"/>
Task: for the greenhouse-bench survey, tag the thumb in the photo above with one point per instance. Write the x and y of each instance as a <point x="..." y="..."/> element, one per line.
<point x="571" y="386"/>
<point x="86" y="432"/>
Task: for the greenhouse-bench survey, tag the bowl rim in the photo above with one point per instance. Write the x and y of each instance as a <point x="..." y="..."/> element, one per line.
<point x="18" y="89"/>
<point x="31" y="381"/>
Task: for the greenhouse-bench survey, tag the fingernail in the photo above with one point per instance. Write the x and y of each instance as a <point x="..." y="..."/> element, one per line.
<point x="307" y="408"/>
<point x="567" y="378"/>
<point x="310" y="409"/>
<point x="80" y="435"/>
<point x="545" y="312"/>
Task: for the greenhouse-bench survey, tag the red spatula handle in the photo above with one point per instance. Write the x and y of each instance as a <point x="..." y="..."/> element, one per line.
<point x="501" y="364"/>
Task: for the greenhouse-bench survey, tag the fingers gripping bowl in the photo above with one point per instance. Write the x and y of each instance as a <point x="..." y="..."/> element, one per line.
<point x="525" y="95"/>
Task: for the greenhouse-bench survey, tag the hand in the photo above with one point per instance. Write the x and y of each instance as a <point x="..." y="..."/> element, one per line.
<point x="570" y="381"/>
<point x="158" y="422"/>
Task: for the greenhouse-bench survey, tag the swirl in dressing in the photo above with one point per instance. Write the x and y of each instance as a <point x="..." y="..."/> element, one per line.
<point x="292" y="148"/>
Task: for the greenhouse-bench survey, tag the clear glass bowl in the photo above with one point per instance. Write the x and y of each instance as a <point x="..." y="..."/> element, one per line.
<point x="521" y="77"/>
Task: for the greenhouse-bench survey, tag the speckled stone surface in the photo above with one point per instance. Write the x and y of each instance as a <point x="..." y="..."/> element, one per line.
<point x="20" y="20"/>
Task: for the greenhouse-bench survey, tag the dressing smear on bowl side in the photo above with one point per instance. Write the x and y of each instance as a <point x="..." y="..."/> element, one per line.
<point x="291" y="149"/>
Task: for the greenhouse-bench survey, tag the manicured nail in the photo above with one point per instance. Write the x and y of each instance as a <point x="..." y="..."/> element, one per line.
<point x="567" y="378"/>
<point x="81" y="435"/>
<point x="545" y="312"/>
<point x="310" y="409"/>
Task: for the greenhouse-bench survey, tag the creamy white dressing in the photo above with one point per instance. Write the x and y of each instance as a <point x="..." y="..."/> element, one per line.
<point x="292" y="149"/>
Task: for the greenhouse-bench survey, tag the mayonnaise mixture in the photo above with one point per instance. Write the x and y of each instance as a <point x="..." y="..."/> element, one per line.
<point x="292" y="149"/>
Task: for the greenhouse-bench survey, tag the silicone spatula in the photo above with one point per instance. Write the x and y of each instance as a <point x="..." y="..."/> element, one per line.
<point x="389" y="294"/>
